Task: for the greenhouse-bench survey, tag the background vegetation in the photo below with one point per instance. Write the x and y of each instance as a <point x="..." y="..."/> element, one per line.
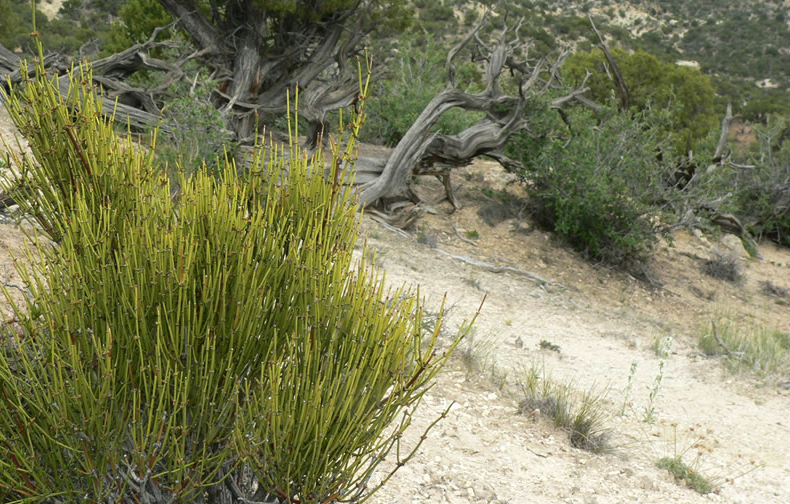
<point x="675" y="109"/>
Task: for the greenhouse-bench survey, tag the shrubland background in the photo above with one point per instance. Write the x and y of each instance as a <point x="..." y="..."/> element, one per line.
<point x="609" y="206"/>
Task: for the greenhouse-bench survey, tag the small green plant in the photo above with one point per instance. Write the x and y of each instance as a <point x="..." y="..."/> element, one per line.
<point x="582" y="416"/>
<point x="477" y="353"/>
<point x="701" y="444"/>
<point x="747" y="347"/>
<point x="627" y="390"/>
<point x="686" y="474"/>
<point x="472" y="235"/>
<point x="685" y="460"/>
<point x="548" y="345"/>
<point x="663" y="351"/>
<point x="662" y="345"/>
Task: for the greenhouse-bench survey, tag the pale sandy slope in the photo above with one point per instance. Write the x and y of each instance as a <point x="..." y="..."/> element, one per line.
<point x="603" y="322"/>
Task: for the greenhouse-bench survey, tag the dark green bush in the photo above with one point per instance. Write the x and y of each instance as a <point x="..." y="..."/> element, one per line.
<point x="684" y="91"/>
<point x="61" y="35"/>
<point x="139" y="19"/>
<point x="597" y="187"/>
<point x="195" y="348"/>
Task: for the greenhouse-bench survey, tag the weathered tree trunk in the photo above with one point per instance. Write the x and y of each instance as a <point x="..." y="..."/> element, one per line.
<point x="136" y="107"/>
<point x="423" y="152"/>
<point x="260" y="69"/>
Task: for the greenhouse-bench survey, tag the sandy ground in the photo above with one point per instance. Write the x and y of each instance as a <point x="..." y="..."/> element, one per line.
<point x="602" y="321"/>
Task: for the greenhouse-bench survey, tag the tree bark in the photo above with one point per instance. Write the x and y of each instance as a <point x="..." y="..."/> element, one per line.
<point x="422" y="152"/>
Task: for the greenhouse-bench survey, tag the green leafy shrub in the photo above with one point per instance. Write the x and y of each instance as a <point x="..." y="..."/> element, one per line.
<point x="685" y="91"/>
<point x="139" y="19"/>
<point x="214" y="346"/>
<point x="599" y="187"/>
<point x="200" y="131"/>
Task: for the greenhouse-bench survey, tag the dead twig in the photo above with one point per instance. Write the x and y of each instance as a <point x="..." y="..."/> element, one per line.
<point x="726" y="349"/>
<point x="502" y="269"/>
<point x="458" y="234"/>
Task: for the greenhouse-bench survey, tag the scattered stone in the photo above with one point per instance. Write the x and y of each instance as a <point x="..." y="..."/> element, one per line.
<point x="734" y="245"/>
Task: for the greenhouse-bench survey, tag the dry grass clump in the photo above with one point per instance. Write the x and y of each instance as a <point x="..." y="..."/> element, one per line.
<point x="724" y="267"/>
<point x="748" y="347"/>
<point x="477" y="353"/>
<point x="581" y="415"/>
<point x="772" y="290"/>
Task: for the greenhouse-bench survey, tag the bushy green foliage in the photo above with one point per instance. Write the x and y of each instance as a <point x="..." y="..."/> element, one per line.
<point x="139" y="19"/>
<point x="597" y="187"/>
<point x="190" y="348"/>
<point x="653" y="83"/>
<point x="200" y="132"/>
<point x="418" y="75"/>
<point x="437" y="17"/>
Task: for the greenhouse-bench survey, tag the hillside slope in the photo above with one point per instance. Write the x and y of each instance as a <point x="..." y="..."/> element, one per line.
<point x="602" y="322"/>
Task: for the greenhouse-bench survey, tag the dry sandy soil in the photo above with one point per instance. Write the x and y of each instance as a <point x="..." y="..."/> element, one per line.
<point x="484" y="451"/>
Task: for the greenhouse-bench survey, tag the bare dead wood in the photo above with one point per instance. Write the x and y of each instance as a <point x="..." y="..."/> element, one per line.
<point x="617" y="77"/>
<point x="728" y="222"/>
<point x="719" y="159"/>
<point x="260" y="63"/>
<point x="122" y="113"/>
<point x="197" y="25"/>
<point x="458" y="234"/>
<point x="492" y="268"/>
<point x="10" y="68"/>
<point x="141" y="112"/>
<point x="730" y="353"/>
<point x="135" y="58"/>
<point x="725" y="131"/>
<point x="421" y="151"/>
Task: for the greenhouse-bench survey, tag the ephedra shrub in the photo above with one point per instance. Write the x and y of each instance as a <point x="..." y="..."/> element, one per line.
<point x="217" y="345"/>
